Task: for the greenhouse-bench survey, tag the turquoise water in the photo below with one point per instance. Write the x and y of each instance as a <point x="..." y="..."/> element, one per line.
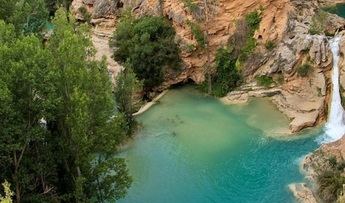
<point x="339" y="9"/>
<point x="192" y="148"/>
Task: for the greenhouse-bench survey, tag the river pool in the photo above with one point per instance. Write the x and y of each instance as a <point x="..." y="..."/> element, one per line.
<point x="339" y="9"/>
<point x="192" y="148"/>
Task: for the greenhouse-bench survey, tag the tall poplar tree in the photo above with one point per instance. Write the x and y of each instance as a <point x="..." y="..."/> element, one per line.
<point x="83" y="117"/>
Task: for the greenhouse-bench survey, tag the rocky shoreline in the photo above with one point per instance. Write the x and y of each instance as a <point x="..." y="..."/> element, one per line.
<point x="285" y="23"/>
<point x="312" y="165"/>
<point x="302" y="193"/>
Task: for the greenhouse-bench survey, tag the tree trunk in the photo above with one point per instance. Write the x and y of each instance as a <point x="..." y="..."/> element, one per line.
<point x="17" y="192"/>
<point x="16" y="168"/>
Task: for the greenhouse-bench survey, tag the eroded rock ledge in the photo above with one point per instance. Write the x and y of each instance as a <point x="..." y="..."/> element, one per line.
<point x="284" y="22"/>
<point x="304" y="100"/>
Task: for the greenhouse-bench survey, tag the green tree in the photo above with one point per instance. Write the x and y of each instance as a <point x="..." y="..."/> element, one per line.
<point x="22" y="87"/>
<point x="6" y="9"/>
<point x="146" y="44"/>
<point x="227" y="77"/>
<point x="59" y="126"/>
<point x="28" y="16"/>
<point x="53" y="5"/>
<point x="126" y="96"/>
<point x="82" y="117"/>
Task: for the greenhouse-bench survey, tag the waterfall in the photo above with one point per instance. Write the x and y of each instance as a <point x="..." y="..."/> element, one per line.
<point x="335" y="127"/>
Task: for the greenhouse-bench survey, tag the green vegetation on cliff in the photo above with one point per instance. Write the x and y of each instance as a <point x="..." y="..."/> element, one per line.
<point x="228" y="60"/>
<point x="59" y="125"/>
<point x="147" y="44"/>
<point x="264" y="80"/>
<point x="304" y="70"/>
<point x="330" y="180"/>
<point x="198" y="34"/>
<point x="318" y="24"/>
<point x="226" y="77"/>
<point x="252" y="22"/>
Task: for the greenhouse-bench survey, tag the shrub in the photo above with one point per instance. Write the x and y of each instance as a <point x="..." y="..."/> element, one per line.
<point x="146" y="44"/>
<point x="242" y="42"/>
<point x="264" y="80"/>
<point x="318" y="23"/>
<point x="189" y="48"/>
<point x="248" y="48"/>
<point x="253" y="20"/>
<point x="270" y="45"/>
<point x="304" y="70"/>
<point x="194" y="9"/>
<point x="227" y="77"/>
<point x="330" y="184"/>
<point x="191" y="6"/>
<point x="198" y="34"/>
<point x="330" y="180"/>
<point x="85" y="14"/>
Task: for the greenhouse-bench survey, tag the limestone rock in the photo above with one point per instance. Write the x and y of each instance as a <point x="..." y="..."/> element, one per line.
<point x="303" y="120"/>
<point x="302" y="193"/>
<point x="104" y="8"/>
<point x="285" y="60"/>
<point x="285" y="22"/>
<point x="243" y="94"/>
<point x="342" y="62"/>
<point x="103" y="27"/>
<point x="334" y="24"/>
<point x="318" y="49"/>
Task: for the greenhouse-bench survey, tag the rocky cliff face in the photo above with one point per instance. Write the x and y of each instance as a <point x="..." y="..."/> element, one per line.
<point x="286" y="23"/>
<point x="223" y="16"/>
<point x="303" y="99"/>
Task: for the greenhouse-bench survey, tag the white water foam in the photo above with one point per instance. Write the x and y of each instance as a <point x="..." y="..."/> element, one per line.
<point x="335" y="126"/>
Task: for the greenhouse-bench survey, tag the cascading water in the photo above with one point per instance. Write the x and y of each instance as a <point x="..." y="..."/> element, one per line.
<point x="335" y="127"/>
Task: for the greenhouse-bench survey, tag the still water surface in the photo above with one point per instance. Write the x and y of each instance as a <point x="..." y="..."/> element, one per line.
<point x="192" y="148"/>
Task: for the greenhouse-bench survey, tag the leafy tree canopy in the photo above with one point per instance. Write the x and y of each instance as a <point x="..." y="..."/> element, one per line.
<point x="146" y="44"/>
<point x="59" y="128"/>
<point x="27" y="16"/>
